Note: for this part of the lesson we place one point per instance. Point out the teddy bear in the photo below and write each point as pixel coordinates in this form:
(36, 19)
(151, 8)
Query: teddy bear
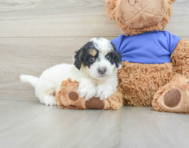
(155, 69)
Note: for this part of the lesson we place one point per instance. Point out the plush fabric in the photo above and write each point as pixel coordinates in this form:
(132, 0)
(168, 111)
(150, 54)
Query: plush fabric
(178, 100)
(180, 81)
(139, 82)
(138, 15)
(68, 97)
(112, 13)
(149, 47)
(142, 81)
(180, 58)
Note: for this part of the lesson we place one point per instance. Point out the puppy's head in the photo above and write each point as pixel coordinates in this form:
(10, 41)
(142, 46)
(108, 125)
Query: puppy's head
(98, 57)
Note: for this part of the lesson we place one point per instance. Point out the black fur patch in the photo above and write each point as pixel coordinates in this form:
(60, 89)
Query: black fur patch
(83, 55)
(115, 57)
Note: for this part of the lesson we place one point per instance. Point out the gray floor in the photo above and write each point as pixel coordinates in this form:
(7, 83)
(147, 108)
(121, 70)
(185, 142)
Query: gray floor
(29, 124)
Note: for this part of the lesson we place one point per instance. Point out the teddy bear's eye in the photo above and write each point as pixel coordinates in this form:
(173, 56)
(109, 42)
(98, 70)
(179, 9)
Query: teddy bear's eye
(132, 2)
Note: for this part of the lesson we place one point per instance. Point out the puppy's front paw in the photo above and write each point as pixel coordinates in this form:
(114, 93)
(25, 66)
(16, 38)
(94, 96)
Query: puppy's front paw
(49, 101)
(87, 90)
(104, 91)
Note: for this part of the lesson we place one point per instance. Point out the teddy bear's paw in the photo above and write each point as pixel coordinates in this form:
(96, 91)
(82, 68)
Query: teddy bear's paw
(175, 99)
(86, 90)
(49, 101)
(69, 97)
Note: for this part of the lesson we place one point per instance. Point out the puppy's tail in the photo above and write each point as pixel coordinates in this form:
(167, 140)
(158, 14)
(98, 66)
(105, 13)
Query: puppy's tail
(29, 79)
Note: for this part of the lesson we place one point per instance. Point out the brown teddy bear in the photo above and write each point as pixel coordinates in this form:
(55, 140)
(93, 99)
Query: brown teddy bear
(155, 67)
(155, 63)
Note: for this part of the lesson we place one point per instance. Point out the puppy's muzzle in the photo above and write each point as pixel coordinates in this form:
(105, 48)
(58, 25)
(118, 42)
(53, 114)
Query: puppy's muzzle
(102, 70)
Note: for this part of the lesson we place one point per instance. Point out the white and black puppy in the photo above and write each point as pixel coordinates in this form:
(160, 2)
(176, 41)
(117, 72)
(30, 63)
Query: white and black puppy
(95, 68)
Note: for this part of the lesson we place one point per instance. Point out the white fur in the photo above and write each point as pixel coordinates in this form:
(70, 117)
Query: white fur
(91, 83)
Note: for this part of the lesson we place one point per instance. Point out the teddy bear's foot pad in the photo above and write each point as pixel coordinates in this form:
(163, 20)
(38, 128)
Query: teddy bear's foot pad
(94, 103)
(73, 96)
(175, 99)
(172, 98)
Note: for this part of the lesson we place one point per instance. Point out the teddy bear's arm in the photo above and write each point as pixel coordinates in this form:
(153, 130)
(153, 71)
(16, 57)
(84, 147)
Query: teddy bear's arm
(110, 8)
(180, 58)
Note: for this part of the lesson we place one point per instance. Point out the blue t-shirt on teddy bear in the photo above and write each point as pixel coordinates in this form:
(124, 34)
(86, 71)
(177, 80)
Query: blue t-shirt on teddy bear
(149, 48)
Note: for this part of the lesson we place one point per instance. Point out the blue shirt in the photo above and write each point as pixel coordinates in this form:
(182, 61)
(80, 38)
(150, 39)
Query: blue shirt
(148, 48)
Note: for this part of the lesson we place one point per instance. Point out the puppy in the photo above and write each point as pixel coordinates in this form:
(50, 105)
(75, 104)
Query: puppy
(95, 68)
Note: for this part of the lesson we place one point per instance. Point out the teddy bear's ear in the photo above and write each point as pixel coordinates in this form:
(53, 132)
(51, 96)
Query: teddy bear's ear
(110, 8)
(172, 1)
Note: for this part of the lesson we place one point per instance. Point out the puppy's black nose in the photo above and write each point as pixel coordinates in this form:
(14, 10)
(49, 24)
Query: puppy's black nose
(102, 70)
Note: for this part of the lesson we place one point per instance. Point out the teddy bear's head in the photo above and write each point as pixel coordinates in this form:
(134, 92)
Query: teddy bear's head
(139, 16)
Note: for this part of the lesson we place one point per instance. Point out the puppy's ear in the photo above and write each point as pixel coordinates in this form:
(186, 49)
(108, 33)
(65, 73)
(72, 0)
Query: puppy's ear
(117, 57)
(77, 58)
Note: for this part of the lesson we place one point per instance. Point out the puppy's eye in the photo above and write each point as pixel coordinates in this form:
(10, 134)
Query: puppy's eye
(91, 59)
(108, 57)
